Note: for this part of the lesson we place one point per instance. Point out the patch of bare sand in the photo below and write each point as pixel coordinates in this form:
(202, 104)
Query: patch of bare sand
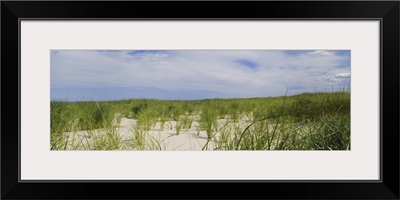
(155, 139)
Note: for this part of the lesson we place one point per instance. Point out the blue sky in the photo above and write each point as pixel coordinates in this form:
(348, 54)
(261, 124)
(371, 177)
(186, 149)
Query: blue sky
(87, 75)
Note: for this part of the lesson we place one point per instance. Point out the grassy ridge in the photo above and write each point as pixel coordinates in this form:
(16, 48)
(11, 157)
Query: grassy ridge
(311, 121)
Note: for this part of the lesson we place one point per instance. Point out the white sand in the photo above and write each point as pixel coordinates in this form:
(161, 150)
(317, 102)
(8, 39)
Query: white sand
(167, 139)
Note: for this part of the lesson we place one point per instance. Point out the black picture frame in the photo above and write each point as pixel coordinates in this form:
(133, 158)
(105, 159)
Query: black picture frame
(13, 11)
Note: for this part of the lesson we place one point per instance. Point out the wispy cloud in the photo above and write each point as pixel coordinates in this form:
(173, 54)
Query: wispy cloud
(321, 53)
(343, 75)
(190, 74)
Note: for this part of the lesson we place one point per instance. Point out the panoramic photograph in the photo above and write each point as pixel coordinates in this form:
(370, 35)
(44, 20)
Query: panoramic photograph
(197, 100)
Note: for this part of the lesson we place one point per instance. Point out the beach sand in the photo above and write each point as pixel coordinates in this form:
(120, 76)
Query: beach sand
(156, 139)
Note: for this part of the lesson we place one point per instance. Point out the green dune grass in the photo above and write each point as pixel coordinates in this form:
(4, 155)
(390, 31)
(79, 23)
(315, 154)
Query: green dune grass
(310, 121)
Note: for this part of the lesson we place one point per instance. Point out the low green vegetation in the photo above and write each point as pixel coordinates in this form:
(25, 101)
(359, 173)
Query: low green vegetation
(310, 121)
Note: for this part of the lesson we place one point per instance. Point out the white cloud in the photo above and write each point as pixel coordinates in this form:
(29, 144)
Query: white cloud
(340, 77)
(343, 75)
(214, 71)
(321, 52)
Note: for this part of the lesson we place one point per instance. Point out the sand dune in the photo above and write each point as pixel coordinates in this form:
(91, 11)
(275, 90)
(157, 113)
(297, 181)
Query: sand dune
(155, 138)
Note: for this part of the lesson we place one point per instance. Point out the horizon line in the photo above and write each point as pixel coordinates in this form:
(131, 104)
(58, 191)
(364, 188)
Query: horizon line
(217, 98)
